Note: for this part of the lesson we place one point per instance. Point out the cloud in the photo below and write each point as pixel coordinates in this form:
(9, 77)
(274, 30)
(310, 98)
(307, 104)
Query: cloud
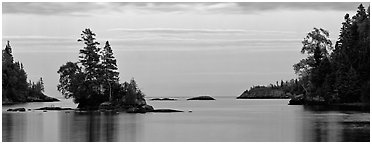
(199, 31)
(335, 6)
(90, 8)
(49, 8)
(177, 31)
(56, 44)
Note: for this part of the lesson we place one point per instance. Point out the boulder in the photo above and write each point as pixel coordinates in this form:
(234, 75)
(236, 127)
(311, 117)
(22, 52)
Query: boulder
(141, 102)
(147, 108)
(297, 100)
(106, 106)
(135, 110)
(202, 98)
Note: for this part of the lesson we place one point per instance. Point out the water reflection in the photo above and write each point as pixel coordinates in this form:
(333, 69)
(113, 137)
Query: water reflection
(326, 125)
(90, 127)
(238, 121)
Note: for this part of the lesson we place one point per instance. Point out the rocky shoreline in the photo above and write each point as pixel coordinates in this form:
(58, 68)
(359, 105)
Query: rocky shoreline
(143, 109)
(30, 99)
(264, 93)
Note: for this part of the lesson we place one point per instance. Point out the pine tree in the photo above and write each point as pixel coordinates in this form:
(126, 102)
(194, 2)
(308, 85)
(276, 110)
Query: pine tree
(7, 54)
(109, 63)
(351, 58)
(89, 56)
(109, 71)
(41, 84)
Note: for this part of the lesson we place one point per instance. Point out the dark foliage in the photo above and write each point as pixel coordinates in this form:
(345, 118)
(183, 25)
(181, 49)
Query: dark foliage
(14, 83)
(343, 75)
(95, 79)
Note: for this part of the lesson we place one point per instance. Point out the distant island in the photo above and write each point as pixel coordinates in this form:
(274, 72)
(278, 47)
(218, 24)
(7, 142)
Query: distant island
(262, 92)
(202, 98)
(163, 99)
(15, 88)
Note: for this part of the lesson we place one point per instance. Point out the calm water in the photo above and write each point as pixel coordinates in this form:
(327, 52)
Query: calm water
(225, 119)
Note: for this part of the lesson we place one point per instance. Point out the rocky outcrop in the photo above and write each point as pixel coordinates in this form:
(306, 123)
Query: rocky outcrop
(141, 109)
(297, 100)
(106, 106)
(35, 98)
(54, 108)
(163, 99)
(166, 110)
(17, 109)
(263, 93)
(42, 99)
(202, 98)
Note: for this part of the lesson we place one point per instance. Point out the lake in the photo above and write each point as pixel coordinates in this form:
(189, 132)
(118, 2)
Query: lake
(224, 120)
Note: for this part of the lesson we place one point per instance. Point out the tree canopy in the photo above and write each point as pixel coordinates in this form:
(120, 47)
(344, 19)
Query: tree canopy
(94, 79)
(340, 74)
(15, 87)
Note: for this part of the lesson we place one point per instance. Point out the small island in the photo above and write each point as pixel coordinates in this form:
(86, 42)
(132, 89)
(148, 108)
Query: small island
(201, 98)
(93, 81)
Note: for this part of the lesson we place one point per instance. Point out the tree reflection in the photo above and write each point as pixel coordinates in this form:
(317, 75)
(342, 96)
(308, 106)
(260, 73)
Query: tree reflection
(92, 127)
(324, 125)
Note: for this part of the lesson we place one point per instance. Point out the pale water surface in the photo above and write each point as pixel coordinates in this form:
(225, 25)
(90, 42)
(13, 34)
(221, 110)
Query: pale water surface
(226, 119)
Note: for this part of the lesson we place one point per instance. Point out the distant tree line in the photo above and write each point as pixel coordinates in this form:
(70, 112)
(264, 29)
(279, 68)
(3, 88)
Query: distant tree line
(338, 74)
(15, 87)
(94, 79)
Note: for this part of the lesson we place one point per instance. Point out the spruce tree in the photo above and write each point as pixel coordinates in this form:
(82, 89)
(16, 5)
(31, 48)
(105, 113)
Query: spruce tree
(89, 55)
(109, 72)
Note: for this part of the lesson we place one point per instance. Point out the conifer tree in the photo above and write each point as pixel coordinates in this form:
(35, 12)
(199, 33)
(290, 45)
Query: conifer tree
(89, 55)
(109, 71)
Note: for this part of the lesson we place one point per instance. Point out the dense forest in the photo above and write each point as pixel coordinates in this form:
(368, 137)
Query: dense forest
(334, 74)
(94, 79)
(15, 87)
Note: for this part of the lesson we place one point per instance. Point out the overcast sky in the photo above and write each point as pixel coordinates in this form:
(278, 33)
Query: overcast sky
(172, 49)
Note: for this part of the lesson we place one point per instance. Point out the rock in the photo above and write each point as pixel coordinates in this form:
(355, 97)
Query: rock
(297, 100)
(140, 109)
(202, 98)
(17, 109)
(166, 110)
(163, 99)
(106, 106)
(141, 102)
(135, 110)
(41, 98)
(148, 108)
(53, 108)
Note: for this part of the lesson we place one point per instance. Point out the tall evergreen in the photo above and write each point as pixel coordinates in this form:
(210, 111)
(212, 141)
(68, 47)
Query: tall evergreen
(109, 71)
(7, 54)
(351, 58)
(89, 55)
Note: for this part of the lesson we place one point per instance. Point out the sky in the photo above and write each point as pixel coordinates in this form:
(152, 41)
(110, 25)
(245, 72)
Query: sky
(172, 49)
